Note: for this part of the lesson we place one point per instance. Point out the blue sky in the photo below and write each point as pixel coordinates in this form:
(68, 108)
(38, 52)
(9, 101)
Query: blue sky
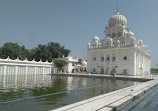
(73, 23)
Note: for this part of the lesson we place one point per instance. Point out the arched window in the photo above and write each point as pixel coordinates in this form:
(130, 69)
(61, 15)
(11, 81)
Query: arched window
(119, 34)
(125, 71)
(107, 70)
(102, 71)
(113, 70)
(107, 58)
(113, 35)
(113, 57)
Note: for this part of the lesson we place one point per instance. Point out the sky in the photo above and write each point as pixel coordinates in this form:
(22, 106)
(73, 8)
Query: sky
(73, 23)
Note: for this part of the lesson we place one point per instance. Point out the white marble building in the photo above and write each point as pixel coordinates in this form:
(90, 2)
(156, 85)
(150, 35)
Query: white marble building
(119, 52)
(71, 67)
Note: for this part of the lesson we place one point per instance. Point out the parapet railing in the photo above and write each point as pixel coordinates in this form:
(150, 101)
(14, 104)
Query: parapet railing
(25, 61)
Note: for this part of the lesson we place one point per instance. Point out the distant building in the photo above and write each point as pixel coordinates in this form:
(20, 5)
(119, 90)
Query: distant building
(119, 52)
(84, 67)
(73, 65)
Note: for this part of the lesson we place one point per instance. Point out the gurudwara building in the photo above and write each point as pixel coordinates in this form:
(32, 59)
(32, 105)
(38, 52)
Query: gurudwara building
(119, 52)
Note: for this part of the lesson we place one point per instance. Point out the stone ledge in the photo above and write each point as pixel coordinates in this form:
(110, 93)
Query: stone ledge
(117, 77)
(116, 99)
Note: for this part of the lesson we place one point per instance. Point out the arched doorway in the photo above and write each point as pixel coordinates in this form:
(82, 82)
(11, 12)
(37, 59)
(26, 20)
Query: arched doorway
(113, 70)
(107, 70)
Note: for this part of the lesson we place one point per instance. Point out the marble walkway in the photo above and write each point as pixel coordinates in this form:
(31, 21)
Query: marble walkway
(135, 98)
(147, 102)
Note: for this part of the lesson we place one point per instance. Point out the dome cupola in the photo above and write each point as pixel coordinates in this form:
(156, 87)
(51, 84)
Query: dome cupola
(84, 64)
(130, 34)
(96, 39)
(117, 19)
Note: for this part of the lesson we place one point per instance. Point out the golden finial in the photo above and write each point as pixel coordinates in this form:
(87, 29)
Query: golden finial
(17, 59)
(76, 56)
(26, 59)
(33, 60)
(117, 10)
(8, 58)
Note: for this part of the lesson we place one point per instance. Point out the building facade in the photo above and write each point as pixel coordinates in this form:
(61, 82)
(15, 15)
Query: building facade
(119, 52)
(73, 66)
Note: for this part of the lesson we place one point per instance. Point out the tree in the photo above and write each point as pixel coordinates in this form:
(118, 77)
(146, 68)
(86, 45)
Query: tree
(44, 52)
(60, 64)
(24, 53)
(57, 51)
(10, 49)
(31, 54)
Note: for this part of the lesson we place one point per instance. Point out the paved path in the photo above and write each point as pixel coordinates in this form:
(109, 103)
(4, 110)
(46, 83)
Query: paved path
(147, 102)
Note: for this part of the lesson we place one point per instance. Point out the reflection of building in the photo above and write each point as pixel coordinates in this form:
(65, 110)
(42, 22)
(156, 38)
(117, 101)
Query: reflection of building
(73, 65)
(16, 67)
(119, 52)
(25, 81)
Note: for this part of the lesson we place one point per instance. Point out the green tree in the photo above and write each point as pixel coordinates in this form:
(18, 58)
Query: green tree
(42, 52)
(10, 49)
(57, 51)
(31, 54)
(24, 53)
(60, 64)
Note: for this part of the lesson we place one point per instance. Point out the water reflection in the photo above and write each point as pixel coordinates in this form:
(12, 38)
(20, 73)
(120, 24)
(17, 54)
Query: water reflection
(32, 86)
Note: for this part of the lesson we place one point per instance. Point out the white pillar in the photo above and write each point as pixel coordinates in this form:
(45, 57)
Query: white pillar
(4, 76)
(43, 70)
(26, 70)
(16, 74)
(1, 70)
(35, 74)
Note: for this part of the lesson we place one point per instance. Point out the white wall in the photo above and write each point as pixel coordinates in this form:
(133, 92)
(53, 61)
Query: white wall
(131, 64)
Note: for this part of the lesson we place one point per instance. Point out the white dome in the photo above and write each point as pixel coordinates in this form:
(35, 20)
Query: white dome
(84, 64)
(140, 42)
(117, 19)
(99, 44)
(145, 47)
(109, 39)
(96, 39)
(130, 34)
(118, 41)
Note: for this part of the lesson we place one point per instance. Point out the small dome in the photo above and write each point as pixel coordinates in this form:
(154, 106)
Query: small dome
(96, 39)
(140, 42)
(84, 64)
(145, 47)
(99, 44)
(117, 19)
(130, 34)
(109, 39)
(133, 39)
(118, 41)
